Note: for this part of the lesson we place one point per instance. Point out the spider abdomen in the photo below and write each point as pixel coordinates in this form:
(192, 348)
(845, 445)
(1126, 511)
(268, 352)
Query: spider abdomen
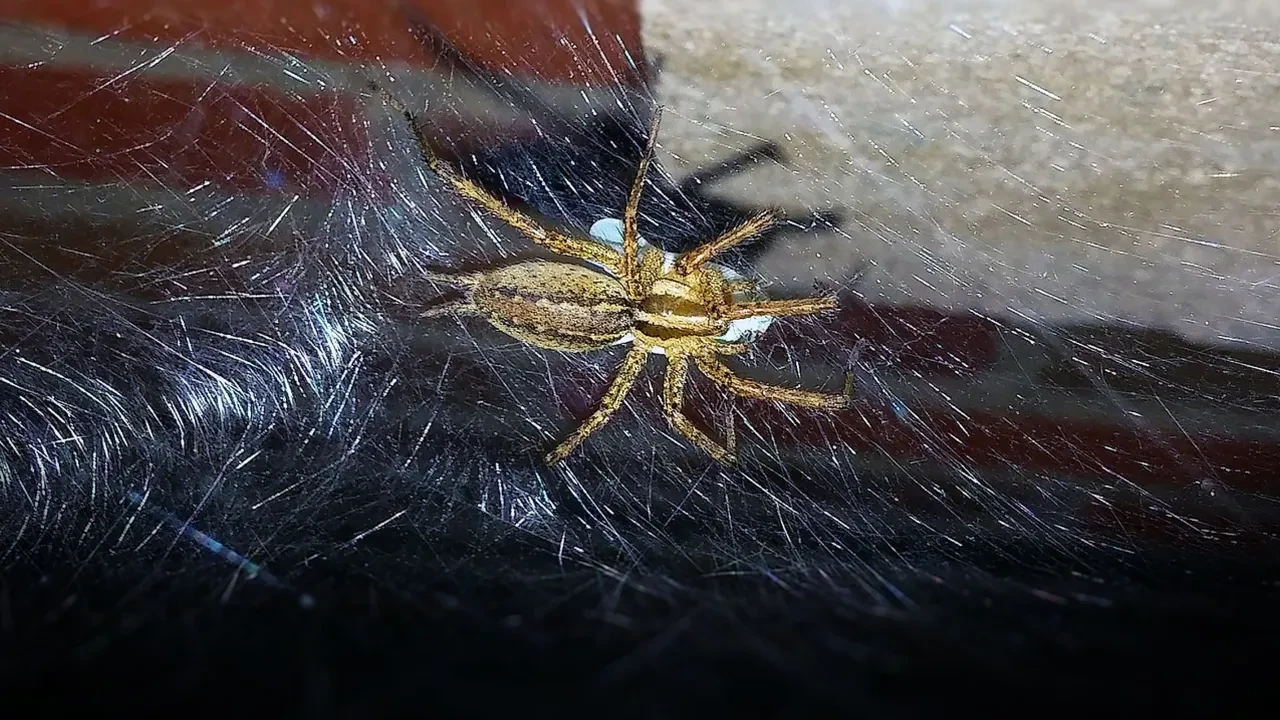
(560, 306)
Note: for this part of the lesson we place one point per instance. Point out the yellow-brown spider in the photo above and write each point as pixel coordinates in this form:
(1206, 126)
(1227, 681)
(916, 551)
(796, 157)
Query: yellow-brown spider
(677, 306)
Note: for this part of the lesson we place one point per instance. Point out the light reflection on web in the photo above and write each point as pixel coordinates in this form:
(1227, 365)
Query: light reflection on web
(220, 306)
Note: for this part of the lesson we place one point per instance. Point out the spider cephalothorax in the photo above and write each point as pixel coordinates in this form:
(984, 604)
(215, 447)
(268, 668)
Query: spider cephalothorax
(682, 306)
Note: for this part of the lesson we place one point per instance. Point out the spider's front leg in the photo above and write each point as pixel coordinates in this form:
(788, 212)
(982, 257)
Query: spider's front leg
(461, 306)
(673, 405)
(780, 308)
(556, 242)
(628, 270)
(453, 279)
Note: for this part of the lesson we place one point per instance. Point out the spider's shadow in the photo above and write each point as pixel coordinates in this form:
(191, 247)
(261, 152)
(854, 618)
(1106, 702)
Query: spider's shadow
(579, 169)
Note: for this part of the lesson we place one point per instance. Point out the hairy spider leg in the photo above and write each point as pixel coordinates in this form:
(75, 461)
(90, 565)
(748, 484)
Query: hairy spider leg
(630, 215)
(730, 433)
(673, 405)
(779, 308)
(744, 387)
(617, 391)
(752, 227)
(453, 279)
(558, 243)
(461, 306)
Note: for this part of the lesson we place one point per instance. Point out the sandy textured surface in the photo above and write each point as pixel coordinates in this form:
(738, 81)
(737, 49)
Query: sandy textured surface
(1087, 160)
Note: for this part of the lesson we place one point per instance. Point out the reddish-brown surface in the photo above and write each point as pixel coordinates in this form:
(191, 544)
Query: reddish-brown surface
(543, 38)
(74, 124)
(71, 124)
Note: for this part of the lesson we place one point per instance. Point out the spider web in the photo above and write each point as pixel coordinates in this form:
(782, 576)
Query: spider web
(1052, 230)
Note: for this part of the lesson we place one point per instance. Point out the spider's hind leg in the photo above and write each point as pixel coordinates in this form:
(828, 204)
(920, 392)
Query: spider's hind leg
(452, 279)
(631, 213)
(461, 306)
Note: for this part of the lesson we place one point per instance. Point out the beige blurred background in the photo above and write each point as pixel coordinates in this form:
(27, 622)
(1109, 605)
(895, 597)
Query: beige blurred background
(1101, 160)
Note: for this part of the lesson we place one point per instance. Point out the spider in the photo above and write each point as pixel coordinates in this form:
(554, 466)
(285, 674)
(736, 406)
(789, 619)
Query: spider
(677, 306)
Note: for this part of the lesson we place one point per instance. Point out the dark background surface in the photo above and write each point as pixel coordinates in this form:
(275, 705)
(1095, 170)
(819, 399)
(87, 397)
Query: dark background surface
(1175, 634)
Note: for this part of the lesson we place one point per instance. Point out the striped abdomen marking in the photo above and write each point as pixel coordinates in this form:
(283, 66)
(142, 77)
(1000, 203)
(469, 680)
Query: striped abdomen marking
(555, 305)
